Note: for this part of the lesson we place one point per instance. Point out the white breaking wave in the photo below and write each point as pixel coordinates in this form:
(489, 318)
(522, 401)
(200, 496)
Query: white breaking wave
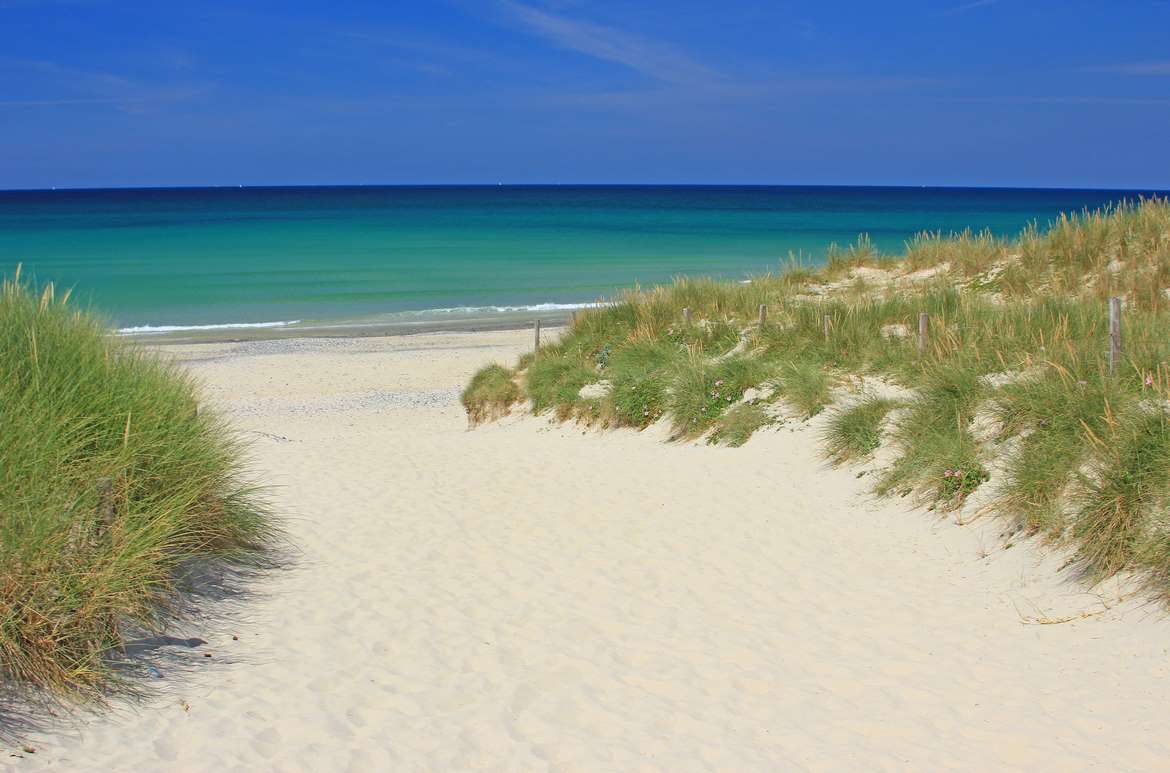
(139, 329)
(506, 309)
(387, 319)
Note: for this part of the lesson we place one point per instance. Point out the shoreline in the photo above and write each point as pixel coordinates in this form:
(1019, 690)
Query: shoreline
(355, 330)
(386, 260)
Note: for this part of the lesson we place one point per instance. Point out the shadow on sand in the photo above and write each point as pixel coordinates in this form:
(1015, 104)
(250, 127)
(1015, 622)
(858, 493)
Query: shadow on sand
(211, 598)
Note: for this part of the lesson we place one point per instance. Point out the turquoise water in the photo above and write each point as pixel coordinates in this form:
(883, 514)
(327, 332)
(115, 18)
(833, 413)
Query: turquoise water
(176, 258)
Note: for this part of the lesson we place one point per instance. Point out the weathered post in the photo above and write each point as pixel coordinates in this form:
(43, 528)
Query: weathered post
(763, 314)
(1114, 334)
(105, 504)
(923, 324)
(687, 315)
(536, 336)
(828, 321)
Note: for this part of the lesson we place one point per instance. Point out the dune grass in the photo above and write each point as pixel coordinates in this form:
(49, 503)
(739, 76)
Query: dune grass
(702, 390)
(638, 374)
(110, 482)
(855, 432)
(555, 378)
(490, 394)
(1013, 382)
(736, 427)
(1059, 412)
(805, 384)
(938, 456)
(1125, 493)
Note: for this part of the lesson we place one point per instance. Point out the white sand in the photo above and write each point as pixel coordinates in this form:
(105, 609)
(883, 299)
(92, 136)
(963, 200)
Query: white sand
(526, 596)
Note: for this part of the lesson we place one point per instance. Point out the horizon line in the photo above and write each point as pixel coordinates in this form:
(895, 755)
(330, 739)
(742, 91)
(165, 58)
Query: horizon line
(277, 186)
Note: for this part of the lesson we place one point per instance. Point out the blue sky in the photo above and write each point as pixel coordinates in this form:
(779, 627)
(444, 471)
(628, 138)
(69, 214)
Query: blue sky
(975, 92)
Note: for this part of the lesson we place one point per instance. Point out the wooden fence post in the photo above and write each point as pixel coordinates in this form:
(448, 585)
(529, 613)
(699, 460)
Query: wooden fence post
(105, 504)
(828, 321)
(923, 324)
(687, 315)
(1114, 334)
(763, 314)
(536, 337)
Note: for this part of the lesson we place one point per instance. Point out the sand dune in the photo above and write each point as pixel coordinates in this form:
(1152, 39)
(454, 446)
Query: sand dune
(527, 596)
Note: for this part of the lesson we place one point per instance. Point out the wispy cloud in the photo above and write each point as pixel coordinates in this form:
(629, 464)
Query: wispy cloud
(45, 3)
(129, 104)
(95, 87)
(765, 92)
(1133, 68)
(52, 102)
(655, 59)
(679, 76)
(424, 54)
(971, 6)
(1055, 100)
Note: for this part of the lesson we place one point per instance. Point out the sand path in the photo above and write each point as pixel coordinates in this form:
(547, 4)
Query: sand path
(529, 597)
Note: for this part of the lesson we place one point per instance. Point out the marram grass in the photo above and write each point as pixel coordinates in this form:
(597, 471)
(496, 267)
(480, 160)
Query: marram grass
(1012, 389)
(736, 426)
(854, 432)
(110, 483)
(490, 394)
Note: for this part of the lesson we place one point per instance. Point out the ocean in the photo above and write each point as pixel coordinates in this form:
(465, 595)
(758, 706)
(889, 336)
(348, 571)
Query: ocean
(255, 261)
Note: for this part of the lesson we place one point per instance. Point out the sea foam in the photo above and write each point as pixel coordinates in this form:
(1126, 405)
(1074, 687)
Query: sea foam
(147, 329)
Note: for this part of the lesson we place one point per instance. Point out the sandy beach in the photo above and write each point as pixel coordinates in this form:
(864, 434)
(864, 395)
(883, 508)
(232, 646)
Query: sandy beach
(531, 596)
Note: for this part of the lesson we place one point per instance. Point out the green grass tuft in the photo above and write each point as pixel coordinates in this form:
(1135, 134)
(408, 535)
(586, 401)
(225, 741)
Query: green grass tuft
(490, 394)
(805, 385)
(934, 437)
(639, 374)
(714, 338)
(110, 482)
(1124, 492)
(735, 427)
(701, 390)
(554, 380)
(1056, 410)
(856, 431)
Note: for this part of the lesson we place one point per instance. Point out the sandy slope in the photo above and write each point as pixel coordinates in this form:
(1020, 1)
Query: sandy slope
(524, 596)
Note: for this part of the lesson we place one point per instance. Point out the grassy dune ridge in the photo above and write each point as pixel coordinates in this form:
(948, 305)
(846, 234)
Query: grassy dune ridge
(1013, 391)
(110, 482)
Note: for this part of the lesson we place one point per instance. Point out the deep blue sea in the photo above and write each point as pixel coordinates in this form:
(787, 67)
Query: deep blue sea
(400, 256)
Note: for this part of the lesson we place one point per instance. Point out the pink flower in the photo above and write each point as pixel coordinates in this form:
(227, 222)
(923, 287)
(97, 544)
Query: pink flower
(946, 473)
(1149, 380)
